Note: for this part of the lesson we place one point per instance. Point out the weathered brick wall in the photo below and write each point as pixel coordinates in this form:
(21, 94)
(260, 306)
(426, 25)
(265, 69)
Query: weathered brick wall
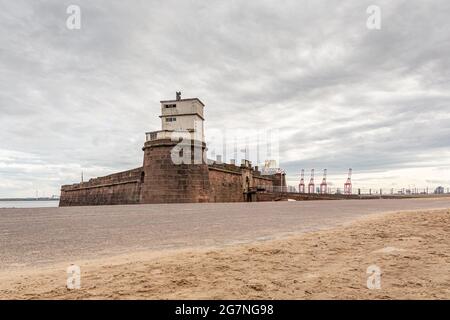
(261, 182)
(225, 185)
(162, 181)
(279, 180)
(166, 182)
(119, 188)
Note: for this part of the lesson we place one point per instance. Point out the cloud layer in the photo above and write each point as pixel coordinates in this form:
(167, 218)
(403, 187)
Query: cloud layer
(341, 95)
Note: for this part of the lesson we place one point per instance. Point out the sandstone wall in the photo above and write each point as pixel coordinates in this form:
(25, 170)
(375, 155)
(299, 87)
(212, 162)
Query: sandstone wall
(225, 185)
(162, 181)
(119, 188)
(166, 182)
(261, 182)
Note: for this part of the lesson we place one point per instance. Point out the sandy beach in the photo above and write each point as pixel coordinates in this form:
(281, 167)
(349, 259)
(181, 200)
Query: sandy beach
(411, 249)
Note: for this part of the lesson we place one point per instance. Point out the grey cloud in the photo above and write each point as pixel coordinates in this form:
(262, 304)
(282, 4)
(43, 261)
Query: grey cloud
(82, 100)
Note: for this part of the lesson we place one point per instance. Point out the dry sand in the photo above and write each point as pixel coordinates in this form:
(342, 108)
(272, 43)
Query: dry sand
(411, 248)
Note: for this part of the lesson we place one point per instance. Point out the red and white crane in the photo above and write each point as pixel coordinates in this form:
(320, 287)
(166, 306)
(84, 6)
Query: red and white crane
(311, 183)
(323, 185)
(301, 186)
(348, 184)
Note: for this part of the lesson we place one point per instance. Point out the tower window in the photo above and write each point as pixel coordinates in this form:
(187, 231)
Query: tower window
(171, 119)
(170, 106)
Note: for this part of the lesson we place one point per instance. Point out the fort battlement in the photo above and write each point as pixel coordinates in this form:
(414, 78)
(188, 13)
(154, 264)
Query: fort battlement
(161, 180)
(119, 188)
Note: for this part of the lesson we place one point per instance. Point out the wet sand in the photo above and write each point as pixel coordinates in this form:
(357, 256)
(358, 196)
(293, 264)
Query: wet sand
(40, 237)
(411, 249)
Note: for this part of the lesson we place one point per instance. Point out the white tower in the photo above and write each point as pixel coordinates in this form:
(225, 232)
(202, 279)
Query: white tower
(180, 115)
(175, 168)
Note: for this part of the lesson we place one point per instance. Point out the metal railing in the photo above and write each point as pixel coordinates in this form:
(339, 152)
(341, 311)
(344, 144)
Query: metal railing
(361, 191)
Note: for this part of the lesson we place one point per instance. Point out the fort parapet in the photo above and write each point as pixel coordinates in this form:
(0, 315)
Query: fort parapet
(118, 188)
(160, 180)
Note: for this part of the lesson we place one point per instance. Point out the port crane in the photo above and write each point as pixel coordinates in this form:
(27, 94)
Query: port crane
(301, 186)
(323, 185)
(348, 183)
(311, 183)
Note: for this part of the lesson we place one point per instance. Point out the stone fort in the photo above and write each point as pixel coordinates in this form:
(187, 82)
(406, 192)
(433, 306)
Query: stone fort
(176, 170)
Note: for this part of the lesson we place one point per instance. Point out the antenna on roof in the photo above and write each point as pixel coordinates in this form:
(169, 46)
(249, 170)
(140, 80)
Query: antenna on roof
(178, 95)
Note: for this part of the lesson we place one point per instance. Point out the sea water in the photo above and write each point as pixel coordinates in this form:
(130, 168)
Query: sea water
(29, 204)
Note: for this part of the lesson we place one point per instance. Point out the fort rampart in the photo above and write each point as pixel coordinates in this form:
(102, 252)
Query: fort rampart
(118, 188)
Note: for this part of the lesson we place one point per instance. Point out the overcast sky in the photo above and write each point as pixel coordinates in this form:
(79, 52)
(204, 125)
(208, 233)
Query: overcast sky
(340, 94)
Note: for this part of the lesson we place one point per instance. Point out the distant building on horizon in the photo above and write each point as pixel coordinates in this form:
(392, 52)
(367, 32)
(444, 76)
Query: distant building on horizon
(175, 169)
(439, 190)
